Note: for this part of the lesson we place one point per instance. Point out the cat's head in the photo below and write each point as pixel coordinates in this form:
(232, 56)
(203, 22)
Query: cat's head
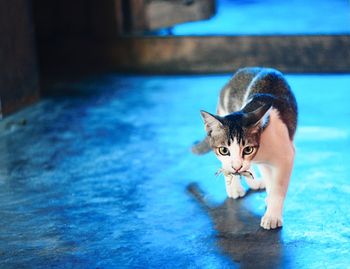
(235, 138)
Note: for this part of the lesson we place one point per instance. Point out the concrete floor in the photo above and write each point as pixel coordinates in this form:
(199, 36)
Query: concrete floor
(100, 175)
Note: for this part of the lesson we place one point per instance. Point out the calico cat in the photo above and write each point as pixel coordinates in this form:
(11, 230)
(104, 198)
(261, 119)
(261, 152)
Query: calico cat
(255, 124)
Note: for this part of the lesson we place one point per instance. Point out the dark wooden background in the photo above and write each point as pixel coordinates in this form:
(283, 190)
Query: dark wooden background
(18, 62)
(48, 39)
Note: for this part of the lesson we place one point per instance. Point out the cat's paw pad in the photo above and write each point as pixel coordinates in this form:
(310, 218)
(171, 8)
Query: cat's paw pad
(271, 221)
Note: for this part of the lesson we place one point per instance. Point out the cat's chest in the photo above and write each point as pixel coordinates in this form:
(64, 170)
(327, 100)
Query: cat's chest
(274, 141)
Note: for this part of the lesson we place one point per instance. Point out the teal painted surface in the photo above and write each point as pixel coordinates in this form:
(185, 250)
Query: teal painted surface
(97, 176)
(270, 17)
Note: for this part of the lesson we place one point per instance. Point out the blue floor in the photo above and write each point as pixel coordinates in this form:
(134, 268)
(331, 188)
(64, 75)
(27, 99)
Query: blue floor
(270, 17)
(99, 174)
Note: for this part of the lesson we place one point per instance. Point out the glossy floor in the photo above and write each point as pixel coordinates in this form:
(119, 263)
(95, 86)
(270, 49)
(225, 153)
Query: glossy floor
(99, 175)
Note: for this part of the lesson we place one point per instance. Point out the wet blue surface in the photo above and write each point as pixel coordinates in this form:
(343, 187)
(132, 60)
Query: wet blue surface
(256, 17)
(100, 175)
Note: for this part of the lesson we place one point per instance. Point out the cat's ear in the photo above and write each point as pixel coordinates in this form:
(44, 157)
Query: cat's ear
(257, 110)
(257, 117)
(211, 121)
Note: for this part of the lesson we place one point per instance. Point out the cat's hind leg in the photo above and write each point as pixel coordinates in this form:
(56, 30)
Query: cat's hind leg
(234, 188)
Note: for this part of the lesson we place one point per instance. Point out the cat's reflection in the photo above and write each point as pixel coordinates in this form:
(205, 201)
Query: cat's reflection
(239, 233)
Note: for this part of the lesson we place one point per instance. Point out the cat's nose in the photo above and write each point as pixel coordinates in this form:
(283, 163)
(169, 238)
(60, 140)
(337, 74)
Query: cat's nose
(237, 168)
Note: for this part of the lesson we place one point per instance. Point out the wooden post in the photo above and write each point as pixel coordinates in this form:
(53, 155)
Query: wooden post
(18, 66)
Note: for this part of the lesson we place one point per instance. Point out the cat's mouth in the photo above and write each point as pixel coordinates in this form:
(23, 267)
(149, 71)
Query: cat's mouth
(229, 173)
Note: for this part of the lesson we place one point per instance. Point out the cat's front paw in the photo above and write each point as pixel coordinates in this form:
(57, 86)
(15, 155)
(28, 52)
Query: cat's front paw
(271, 221)
(234, 188)
(237, 193)
(234, 191)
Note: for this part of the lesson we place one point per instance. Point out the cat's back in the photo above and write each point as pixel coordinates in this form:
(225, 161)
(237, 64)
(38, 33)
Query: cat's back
(270, 81)
(233, 94)
(250, 81)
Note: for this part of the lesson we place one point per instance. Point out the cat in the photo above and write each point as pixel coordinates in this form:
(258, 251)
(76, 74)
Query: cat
(255, 124)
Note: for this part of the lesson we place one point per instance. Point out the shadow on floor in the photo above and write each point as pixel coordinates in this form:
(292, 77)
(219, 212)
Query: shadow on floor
(239, 234)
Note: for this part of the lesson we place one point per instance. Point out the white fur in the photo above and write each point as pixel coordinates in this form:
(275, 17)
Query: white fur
(234, 188)
(226, 99)
(251, 84)
(221, 111)
(275, 158)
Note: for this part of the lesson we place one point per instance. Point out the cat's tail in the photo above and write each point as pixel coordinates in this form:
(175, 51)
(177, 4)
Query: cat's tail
(201, 147)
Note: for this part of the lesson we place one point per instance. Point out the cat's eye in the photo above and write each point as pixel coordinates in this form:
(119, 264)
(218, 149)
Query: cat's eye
(248, 150)
(223, 151)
